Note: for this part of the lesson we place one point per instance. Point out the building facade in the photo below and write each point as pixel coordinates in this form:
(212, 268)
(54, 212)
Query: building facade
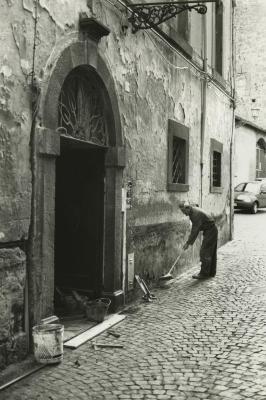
(250, 144)
(104, 130)
(249, 153)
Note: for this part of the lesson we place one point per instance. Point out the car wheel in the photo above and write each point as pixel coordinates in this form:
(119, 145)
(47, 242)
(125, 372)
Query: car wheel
(254, 208)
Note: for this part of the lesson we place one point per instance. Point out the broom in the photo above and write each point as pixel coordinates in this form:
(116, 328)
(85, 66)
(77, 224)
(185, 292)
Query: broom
(168, 276)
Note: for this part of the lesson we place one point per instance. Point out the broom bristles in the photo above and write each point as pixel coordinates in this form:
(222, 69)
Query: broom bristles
(166, 277)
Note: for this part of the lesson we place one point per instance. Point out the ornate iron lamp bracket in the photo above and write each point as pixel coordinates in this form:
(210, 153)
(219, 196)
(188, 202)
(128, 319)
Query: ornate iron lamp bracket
(150, 15)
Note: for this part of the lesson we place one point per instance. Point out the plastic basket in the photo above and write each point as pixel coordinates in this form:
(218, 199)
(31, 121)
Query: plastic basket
(96, 310)
(48, 343)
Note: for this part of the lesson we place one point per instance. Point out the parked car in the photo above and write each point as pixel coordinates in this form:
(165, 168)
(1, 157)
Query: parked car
(250, 196)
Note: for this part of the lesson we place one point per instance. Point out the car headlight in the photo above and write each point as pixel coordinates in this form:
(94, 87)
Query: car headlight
(244, 197)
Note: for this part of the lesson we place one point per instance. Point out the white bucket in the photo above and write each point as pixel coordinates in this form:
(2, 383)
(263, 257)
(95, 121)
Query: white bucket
(48, 343)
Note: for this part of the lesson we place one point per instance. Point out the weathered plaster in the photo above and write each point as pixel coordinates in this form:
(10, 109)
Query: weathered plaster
(10, 2)
(14, 173)
(20, 32)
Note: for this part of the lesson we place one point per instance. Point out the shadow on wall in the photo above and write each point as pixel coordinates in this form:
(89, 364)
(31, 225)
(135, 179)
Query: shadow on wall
(157, 246)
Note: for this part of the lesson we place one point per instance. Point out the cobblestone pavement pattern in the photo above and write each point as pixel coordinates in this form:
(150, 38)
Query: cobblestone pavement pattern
(199, 340)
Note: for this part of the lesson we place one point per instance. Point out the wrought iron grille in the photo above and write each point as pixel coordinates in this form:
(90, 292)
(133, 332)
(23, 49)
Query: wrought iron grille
(216, 169)
(81, 109)
(179, 160)
(150, 15)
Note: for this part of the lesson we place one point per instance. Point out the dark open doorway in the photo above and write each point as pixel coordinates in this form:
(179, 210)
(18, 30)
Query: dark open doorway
(79, 207)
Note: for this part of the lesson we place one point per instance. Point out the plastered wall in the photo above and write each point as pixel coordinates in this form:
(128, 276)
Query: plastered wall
(246, 139)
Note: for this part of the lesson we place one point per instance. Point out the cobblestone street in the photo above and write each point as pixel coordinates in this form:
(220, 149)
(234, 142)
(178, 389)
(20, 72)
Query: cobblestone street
(199, 340)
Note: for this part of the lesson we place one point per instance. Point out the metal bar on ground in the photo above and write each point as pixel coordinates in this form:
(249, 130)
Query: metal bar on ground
(19, 378)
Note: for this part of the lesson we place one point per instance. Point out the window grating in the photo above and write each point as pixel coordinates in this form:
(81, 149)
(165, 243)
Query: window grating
(179, 160)
(81, 108)
(216, 169)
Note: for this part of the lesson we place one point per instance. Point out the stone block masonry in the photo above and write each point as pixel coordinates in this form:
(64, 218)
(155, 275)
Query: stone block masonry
(12, 285)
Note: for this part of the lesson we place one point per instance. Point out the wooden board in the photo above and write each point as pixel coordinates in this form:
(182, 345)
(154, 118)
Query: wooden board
(110, 321)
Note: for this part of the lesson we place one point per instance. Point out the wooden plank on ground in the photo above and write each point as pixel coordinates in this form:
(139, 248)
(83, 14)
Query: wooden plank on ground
(110, 321)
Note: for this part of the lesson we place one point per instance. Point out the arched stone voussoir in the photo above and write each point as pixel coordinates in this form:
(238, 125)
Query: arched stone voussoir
(77, 54)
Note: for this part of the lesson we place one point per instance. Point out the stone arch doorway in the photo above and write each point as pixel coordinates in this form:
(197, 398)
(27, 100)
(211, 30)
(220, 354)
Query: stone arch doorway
(103, 146)
(83, 119)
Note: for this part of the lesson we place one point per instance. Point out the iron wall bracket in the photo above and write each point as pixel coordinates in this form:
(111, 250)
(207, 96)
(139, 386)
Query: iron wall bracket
(150, 15)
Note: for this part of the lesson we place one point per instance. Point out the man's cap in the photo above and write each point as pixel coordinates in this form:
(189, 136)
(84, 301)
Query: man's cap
(184, 204)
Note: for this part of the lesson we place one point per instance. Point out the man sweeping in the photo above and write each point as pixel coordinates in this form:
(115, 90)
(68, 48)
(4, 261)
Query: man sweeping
(201, 221)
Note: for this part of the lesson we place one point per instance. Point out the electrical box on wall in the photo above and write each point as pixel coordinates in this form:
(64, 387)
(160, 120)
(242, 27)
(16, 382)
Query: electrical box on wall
(129, 194)
(130, 271)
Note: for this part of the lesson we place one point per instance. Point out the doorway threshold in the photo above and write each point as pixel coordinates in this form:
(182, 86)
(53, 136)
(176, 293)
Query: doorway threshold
(74, 326)
(92, 332)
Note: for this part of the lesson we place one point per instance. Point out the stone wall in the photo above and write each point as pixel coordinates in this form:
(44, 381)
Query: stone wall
(12, 332)
(250, 37)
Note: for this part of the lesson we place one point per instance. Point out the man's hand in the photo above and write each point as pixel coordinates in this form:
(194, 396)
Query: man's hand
(185, 247)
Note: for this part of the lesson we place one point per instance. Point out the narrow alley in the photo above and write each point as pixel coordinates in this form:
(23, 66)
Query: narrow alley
(199, 340)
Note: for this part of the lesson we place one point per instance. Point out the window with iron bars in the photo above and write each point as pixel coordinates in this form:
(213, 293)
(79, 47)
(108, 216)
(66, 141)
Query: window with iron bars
(216, 169)
(179, 160)
(216, 151)
(178, 142)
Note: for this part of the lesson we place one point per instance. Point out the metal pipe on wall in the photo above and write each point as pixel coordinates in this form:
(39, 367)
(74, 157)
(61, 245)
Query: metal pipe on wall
(231, 189)
(203, 103)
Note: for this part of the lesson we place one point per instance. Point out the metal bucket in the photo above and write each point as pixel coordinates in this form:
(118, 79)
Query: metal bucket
(96, 310)
(48, 343)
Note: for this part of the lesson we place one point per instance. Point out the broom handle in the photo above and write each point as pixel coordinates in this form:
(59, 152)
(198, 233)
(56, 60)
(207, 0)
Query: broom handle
(176, 260)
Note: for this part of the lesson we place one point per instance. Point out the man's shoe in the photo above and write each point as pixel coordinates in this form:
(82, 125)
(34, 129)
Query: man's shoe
(199, 276)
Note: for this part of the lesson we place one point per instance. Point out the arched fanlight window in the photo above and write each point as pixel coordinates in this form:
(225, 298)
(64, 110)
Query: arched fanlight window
(81, 108)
